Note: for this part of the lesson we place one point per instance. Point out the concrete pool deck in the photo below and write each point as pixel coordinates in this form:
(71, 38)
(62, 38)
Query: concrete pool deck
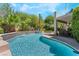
(4, 49)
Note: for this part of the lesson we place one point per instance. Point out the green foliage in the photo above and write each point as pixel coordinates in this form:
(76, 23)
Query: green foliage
(34, 21)
(49, 23)
(75, 23)
(1, 20)
(23, 21)
(60, 25)
(49, 19)
(4, 9)
(1, 30)
(11, 21)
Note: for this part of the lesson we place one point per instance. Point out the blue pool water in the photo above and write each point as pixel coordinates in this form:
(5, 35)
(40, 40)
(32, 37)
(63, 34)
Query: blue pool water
(36, 45)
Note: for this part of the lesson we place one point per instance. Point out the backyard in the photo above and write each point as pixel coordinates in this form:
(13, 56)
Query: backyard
(17, 25)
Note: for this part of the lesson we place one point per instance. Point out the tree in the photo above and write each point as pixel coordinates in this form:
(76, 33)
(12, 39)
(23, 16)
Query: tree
(49, 20)
(12, 21)
(1, 29)
(22, 21)
(4, 11)
(34, 21)
(75, 24)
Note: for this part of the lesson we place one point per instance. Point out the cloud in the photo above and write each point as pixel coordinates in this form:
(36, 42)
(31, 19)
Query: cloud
(46, 7)
(42, 7)
(13, 4)
(24, 7)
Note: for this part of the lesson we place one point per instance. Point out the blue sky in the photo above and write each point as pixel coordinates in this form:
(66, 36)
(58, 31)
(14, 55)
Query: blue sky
(44, 9)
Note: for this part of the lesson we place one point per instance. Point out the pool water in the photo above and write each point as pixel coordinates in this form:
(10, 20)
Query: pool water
(36, 45)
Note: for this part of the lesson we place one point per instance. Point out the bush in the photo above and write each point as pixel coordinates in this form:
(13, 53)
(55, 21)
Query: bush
(49, 28)
(1, 31)
(75, 24)
(49, 21)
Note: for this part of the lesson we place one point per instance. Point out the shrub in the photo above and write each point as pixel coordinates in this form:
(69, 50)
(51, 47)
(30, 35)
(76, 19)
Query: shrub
(1, 31)
(75, 24)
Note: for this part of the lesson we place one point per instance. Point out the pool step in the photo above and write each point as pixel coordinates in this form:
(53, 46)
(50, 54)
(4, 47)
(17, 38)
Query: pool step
(47, 36)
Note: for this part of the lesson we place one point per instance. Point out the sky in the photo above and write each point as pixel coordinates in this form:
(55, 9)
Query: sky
(44, 9)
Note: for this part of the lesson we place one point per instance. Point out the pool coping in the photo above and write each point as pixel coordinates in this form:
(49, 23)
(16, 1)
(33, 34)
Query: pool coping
(62, 43)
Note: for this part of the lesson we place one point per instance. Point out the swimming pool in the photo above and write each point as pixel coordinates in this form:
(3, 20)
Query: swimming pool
(36, 45)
